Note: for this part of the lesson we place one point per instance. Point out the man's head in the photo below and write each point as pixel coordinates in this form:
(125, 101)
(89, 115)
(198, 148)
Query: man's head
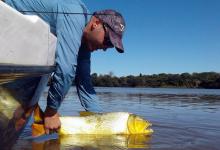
(105, 30)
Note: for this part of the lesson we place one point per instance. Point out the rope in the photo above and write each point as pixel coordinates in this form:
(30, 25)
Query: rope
(49, 12)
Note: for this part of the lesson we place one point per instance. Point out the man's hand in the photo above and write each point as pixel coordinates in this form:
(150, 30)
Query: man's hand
(51, 120)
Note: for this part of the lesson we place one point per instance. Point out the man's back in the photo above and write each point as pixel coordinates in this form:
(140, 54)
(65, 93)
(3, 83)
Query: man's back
(68, 28)
(49, 10)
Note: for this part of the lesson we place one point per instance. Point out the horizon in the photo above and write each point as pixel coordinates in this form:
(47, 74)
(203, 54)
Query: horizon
(112, 73)
(163, 37)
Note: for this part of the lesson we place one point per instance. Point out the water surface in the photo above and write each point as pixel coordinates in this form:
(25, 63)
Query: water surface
(181, 118)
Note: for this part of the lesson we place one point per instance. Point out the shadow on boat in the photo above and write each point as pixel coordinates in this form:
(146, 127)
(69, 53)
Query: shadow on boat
(20, 90)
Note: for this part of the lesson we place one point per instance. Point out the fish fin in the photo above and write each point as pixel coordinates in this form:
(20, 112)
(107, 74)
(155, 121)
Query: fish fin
(37, 129)
(38, 125)
(38, 115)
(85, 113)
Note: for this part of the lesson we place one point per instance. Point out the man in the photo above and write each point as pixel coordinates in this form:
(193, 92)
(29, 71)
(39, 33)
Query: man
(78, 34)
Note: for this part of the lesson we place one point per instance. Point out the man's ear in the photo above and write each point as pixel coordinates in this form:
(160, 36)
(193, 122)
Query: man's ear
(95, 23)
(94, 26)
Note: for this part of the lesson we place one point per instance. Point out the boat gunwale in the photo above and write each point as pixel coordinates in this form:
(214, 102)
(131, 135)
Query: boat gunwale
(5, 68)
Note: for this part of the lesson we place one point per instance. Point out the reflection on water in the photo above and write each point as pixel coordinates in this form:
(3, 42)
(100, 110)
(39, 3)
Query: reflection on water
(105, 142)
(97, 142)
(181, 118)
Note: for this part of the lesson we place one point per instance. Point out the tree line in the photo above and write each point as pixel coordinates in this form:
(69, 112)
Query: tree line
(184, 80)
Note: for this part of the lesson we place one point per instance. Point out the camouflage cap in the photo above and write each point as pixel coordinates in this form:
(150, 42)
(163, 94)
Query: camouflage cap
(116, 23)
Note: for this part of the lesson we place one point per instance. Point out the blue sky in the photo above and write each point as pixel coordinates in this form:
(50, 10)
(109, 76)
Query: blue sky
(163, 36)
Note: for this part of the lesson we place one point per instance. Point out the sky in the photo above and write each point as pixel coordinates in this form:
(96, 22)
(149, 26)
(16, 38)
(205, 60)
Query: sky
(162, 36)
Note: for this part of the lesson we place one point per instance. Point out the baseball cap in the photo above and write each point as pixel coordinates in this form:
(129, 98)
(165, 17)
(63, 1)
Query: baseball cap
(116, 24)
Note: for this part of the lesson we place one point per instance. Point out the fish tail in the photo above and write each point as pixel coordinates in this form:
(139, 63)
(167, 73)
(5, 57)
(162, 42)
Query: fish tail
(38, 115)
(38, 125)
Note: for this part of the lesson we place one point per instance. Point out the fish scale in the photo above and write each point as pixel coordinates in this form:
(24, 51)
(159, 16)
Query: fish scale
(96, 123)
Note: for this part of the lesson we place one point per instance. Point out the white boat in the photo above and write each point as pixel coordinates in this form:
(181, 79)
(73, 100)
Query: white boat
(27, 52)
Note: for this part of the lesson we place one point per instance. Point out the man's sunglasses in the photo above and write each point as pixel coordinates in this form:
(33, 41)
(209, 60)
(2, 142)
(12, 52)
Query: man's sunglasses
(107, 42)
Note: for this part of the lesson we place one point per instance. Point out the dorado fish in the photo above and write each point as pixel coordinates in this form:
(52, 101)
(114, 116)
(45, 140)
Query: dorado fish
(95, 123)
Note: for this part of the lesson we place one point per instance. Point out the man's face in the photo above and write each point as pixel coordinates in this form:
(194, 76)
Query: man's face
(98, 37)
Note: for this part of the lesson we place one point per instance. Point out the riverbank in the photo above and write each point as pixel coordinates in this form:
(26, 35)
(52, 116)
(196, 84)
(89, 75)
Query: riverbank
(204, 80)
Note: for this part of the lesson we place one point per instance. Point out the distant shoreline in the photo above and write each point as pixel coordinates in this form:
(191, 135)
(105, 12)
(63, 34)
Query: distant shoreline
(152, 87)
(204, 80)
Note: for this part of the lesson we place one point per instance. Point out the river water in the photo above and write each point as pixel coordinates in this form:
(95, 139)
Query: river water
(182, 119)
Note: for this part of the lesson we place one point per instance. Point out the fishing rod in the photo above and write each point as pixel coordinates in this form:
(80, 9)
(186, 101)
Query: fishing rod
(50, 12)
(65, 13)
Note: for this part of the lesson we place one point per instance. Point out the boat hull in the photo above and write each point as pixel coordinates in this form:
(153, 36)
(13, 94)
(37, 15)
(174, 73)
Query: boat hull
(20, 89)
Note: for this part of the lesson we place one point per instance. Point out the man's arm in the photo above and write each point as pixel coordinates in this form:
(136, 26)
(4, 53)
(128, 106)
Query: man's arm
(85, 90)
(69, 32)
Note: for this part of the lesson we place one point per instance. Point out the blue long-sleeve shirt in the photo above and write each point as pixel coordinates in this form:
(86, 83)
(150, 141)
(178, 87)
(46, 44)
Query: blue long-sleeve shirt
(72, 60)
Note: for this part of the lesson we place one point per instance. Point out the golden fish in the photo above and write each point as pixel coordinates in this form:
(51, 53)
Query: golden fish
(96, 123)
